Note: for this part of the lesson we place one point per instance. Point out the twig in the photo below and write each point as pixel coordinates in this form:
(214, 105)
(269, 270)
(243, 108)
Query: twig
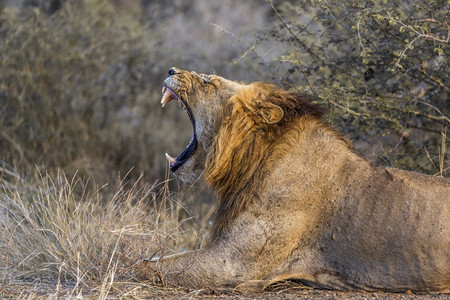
(430, 159)
(249, 49)
(299, 42)
(387, 33)
(427, 20)
(345, 108)
(423, 128)
(424, 35)
(444, 120)
(280, 18)
(397, 63)
(359, 35)
(442, 151)
(433, 107)
(435, 80)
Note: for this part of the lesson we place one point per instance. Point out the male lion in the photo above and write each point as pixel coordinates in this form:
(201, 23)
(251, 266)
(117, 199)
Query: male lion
(297, 201)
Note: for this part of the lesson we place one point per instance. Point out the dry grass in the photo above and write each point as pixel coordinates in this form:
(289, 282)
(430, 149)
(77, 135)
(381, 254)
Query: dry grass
(56, 238)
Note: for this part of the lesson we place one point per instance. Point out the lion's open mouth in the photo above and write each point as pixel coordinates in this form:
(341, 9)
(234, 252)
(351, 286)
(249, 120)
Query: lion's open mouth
(175, 163)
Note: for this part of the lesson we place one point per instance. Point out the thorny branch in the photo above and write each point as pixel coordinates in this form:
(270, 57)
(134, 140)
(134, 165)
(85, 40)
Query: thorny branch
(441, 119)
(420, 35)
(435, 80)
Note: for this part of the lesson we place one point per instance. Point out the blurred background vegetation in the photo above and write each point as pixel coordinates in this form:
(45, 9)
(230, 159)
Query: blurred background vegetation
(80, 80)
(83, 136)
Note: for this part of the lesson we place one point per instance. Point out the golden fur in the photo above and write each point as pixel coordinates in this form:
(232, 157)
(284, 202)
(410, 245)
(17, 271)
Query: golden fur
(296, 200)
(258, 118)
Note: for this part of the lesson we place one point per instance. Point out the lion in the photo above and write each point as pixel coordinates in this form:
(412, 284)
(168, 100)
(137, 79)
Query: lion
(296, 200)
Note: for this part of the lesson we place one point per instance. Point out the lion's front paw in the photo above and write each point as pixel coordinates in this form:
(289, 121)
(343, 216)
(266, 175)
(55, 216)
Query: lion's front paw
(147, 270)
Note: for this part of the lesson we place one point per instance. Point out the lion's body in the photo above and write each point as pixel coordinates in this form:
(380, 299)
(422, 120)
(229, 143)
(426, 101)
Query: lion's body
(379, 228)
(296, 201)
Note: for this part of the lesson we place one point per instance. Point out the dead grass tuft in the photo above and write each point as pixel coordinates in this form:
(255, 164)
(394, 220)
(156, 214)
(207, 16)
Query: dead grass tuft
(49, 233)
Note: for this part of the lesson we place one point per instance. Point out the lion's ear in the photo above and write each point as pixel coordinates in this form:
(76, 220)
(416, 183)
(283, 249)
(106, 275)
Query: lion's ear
(270, 113)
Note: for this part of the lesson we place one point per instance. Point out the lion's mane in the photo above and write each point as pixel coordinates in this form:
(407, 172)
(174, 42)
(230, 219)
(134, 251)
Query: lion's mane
(252, 132)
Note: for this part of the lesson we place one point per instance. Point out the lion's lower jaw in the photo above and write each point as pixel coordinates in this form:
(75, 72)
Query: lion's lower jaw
(188, 178)
(191, 171)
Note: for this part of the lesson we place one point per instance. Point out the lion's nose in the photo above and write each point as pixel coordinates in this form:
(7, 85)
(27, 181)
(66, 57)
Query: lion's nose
(171, 72)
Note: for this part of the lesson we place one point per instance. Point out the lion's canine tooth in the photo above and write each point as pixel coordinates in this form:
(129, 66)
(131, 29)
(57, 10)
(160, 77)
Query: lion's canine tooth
(170, 159)
(167, 96)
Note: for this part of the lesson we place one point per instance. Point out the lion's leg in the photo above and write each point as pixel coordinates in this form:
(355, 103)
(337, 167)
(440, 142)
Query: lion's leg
(252, 254)
(183, 269)
(197, 269)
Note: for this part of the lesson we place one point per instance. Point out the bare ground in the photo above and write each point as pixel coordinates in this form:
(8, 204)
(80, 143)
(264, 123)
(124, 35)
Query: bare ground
(129, 290)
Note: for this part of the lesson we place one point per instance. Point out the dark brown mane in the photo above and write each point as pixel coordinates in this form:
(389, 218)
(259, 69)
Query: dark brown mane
(244, 145)
(301, 105)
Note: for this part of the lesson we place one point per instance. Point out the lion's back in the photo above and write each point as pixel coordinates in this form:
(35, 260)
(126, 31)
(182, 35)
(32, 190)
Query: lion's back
(396, 226)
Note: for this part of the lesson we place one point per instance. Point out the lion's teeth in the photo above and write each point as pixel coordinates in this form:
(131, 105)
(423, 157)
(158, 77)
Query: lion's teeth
(170, 159)
(167, 96)
(164, 88)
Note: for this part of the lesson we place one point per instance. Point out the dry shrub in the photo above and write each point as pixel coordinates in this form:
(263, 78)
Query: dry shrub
(382, 68)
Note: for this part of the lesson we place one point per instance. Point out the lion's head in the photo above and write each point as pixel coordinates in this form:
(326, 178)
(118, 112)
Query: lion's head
(202, 97)
(236, 130)
(225, 115)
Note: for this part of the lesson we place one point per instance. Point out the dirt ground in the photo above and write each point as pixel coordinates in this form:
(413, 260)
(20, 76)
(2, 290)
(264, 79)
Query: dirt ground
(127, 290)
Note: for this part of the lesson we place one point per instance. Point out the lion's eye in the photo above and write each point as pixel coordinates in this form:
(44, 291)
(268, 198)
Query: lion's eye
(205, 80)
